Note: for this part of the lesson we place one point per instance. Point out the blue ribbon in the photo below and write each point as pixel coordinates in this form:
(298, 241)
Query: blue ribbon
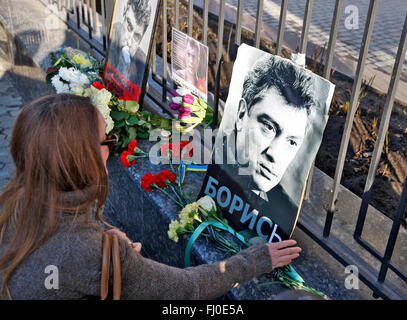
(197, 233)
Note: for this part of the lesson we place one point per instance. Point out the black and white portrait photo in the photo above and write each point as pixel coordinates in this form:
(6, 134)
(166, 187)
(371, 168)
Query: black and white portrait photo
(271, 129)
(189, 62)
(131, 35)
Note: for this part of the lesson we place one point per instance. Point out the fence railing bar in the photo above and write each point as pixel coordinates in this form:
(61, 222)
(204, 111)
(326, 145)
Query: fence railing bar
(238, 33)
(221, 23)
(154, 58)
(104, 31)
(190, 16)
(88, 13)
(384, 125)
(393, 234)
(176, 14)
(205, 22)
(281, 26)
(380, 257)
(352, 105)
(164, 49)
(259, 17)
(332, 38)
(95, 21)
(78, 16)
(305, 26)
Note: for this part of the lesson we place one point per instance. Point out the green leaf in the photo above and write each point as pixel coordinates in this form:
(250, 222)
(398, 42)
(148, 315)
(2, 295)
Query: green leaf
(133, 120)
(119, 115)
(132, 133)
(119, 124)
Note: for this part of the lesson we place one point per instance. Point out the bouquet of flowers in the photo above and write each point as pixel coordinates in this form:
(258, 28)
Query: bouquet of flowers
(77, 72)
(191, 110)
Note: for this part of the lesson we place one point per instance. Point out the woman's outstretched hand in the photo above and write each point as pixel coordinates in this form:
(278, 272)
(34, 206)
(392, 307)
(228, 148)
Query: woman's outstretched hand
(135, 246)
(282, 253)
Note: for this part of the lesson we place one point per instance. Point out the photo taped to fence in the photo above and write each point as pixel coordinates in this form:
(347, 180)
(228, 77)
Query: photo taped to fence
(131, 32)
(189, 62)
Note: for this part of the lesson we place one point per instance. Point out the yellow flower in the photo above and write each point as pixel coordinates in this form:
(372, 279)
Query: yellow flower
(82, 61)
(172, 231)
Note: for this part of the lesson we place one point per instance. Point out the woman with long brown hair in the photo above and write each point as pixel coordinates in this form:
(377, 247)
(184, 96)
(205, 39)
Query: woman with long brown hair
(52, 206)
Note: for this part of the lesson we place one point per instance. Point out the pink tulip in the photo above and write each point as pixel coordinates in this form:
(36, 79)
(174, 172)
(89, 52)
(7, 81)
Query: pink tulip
(184, 109)
(184, 115)
(188, 99)
(174, 93)
(174, 106)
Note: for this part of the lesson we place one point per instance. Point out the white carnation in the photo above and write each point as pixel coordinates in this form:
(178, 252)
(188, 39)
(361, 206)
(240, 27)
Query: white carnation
(59, 86)
(73, 76)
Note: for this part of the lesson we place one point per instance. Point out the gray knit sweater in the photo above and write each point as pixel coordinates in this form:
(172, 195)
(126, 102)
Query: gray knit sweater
(68, 266)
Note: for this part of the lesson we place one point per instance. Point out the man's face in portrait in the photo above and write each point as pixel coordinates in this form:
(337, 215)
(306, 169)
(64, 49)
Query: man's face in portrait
(192, 59)
(131, 33)
(275, 128)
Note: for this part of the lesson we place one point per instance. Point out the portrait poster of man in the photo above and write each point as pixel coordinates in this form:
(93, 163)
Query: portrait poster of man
(189, 63)
(131, 32)
(271, 130)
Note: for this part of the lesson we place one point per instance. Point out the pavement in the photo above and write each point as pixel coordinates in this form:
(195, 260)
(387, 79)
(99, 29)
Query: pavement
(10, 104)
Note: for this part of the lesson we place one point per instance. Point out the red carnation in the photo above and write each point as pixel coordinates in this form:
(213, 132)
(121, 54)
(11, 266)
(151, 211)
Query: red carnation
(132, 146)
(125, 160)
(98, 85)
(147, 181)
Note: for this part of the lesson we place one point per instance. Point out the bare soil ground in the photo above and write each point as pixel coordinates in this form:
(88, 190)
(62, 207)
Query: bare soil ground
(392, 170)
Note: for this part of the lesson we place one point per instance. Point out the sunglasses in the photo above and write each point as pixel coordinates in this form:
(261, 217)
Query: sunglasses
(111, 141)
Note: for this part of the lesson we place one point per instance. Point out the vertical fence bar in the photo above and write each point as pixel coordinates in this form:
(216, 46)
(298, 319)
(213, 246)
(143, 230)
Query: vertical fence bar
(164, 52)
(95, 22)
(154, 59)
(205, 22)
(393, 234)
(259, 17)
(281, 26)
(305, 26)
(351, 112)
(190, 16)
(238, 33)
(384, 125)
(176, 14)
(104, 29)
(221, 23)
(90, 26)
(332, 38)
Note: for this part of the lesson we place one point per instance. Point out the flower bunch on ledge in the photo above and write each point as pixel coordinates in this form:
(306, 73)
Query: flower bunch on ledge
(192, 110)
(76, 72)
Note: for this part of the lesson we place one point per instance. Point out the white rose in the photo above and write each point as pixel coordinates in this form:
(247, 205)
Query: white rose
(182, 91)
(101, 98)
(78, 90)
(207, 203)
(109, 124)
(177, 99)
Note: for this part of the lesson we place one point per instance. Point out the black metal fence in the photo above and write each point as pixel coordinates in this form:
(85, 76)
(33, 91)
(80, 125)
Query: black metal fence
(91, 20)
